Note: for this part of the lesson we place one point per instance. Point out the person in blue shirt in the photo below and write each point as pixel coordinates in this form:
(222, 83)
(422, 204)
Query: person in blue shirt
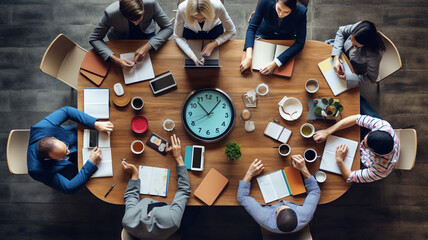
(276, 20)
(52, 150)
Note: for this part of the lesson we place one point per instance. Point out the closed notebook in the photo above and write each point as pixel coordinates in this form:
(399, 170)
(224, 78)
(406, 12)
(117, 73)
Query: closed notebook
(211, 187)
(94, 64)
(97, 80)
(294, 180)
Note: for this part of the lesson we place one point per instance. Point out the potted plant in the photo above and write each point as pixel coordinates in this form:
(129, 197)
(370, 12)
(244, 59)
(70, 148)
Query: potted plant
(233, 150)
(332, 108)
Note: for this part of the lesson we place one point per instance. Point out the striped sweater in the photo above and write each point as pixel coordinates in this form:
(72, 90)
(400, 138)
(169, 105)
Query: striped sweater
(377, 167)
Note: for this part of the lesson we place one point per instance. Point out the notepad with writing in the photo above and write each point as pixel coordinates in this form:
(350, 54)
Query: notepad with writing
(140, 71)
(337, 85)
(211, 187)
(96, 102)
(328, 162)
(277, 132)
(264, 53)
(154, 180)
(280, 184)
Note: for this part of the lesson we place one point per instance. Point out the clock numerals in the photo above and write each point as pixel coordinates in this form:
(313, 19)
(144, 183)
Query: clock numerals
(226, 115)
(218, 100)
(193, 105)
(200, 99)
(190, 114)
(193, 123)
(200, 130)
(223, 124)
(207, 132)
(209, 96)
(224, 105)
(217, 130)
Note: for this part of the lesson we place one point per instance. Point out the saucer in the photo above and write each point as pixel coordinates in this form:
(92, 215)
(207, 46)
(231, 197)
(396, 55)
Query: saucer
(139, 124)
(292, 106)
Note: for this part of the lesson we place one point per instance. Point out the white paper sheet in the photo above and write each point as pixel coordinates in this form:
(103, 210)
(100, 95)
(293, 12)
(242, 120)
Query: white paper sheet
(96, 102)
(140, 72)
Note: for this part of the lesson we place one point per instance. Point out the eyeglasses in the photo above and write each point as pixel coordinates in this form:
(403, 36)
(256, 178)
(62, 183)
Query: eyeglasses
(66, 156)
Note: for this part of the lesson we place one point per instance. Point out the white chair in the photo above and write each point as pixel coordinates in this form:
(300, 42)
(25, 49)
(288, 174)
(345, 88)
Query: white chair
(62, 60)
(391, 60)
(408, 148)
(16, 152)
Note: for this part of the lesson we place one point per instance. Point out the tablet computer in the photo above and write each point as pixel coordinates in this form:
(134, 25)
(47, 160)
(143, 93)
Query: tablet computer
(198, 158)
(163, 83)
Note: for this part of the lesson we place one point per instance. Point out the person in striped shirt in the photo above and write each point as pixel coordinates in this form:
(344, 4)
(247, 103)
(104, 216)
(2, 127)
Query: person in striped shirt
(379, 149)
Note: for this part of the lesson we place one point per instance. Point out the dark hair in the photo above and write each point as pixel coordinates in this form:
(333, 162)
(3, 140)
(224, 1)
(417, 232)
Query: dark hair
(286, 220)
(366, 34)
(289, 3)
(380, 141)
(132, 9)
(45, 146)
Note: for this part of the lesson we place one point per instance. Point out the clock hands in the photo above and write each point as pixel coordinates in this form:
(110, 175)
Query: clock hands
(214, 107)
(203, 108)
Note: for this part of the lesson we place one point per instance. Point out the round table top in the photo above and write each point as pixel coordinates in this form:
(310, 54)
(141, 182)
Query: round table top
(253, 145)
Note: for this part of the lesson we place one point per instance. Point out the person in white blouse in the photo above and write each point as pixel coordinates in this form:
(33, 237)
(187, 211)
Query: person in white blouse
(202, 19)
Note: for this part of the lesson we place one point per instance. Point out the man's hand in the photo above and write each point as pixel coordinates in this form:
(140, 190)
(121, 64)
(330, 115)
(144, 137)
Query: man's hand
(298, 162)
(176, 149)
(255, 169)
(209, 48)
(130, 169)
(105, 126)
(321, 135)
(341, 152)
(96, 156)
(339, 68)
(141, 52)
(124, 63)
(269, 68)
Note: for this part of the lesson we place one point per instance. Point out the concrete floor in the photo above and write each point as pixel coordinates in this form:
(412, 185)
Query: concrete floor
(394, 208)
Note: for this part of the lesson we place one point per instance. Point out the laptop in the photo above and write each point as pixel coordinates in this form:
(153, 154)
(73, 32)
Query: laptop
(210, 62)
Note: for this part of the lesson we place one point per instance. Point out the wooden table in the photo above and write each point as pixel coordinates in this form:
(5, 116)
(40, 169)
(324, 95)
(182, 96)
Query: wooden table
(229, 79)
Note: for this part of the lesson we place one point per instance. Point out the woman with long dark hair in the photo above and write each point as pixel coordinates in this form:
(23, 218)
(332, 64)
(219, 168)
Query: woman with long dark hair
(364, 47)
(276, 20)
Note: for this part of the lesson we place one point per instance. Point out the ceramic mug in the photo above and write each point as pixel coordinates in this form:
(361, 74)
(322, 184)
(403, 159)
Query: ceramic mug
(307, 130)
(312, 85)
(320, 176)
(168, 125)
(137, 147)
(137, 103)
(284, 150)
(310, 155)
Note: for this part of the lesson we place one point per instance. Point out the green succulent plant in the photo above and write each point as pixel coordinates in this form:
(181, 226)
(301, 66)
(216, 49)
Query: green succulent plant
(233, 150)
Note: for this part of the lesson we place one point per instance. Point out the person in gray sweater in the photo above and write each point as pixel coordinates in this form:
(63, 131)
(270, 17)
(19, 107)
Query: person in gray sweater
(283, 217)
(150, 219)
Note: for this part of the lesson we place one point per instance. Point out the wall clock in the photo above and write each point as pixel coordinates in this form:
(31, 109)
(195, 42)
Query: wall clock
(208, 114)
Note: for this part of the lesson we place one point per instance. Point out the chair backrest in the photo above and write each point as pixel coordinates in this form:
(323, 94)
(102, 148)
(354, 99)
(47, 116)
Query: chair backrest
(16, 152)
(124, 235)
(62, 60)
(391, 60)
(408, 148)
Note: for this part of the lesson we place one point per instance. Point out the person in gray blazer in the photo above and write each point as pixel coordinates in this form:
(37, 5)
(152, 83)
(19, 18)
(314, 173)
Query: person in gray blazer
(364, 47)
(150, 219)
(131, 19)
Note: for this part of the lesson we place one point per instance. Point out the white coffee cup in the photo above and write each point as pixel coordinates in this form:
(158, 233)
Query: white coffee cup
(168, 125)
(307, 130)
(262, 89)
(137, 103)
(136, 147)
(320, 176)
(284, 150)
(310, 155)
(312, 85)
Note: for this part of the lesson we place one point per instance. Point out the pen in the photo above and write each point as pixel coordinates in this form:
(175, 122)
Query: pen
(111, 188)
(157, 75)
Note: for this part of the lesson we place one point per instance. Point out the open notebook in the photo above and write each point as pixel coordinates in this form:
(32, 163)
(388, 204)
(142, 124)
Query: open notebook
(280, 184)
(140, 71)
(265, 53)
(277, 132)
(328, 162)
(154, 180)
(337, 85)
(105, 167)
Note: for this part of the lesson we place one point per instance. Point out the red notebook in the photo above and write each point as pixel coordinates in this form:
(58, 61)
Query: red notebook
(94, 64)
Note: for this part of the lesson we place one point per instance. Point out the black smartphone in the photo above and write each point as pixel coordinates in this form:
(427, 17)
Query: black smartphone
(93, 138)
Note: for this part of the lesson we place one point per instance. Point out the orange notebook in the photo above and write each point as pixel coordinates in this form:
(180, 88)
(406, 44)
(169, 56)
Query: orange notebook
(94, 64)
(294, 181)
(284, 70)
(211, 187)
(97, 80)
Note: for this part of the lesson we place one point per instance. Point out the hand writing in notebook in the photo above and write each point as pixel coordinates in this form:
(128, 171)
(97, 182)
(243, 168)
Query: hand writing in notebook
(141, 52)
(124, 63)
(255, 169)
(299, 163)
(268, 69)
(339, 68)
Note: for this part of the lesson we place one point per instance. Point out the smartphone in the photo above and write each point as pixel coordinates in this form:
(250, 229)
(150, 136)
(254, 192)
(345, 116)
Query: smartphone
(198, 158)
(163, 83)
(93, 138)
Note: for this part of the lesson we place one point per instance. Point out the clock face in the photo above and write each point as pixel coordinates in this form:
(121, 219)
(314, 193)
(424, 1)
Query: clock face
(208, 114)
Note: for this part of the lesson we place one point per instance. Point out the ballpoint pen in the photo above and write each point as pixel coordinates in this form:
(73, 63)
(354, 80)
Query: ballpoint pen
(111, 188)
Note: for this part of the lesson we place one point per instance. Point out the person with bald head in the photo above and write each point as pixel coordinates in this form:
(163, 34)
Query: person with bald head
(52, 150)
